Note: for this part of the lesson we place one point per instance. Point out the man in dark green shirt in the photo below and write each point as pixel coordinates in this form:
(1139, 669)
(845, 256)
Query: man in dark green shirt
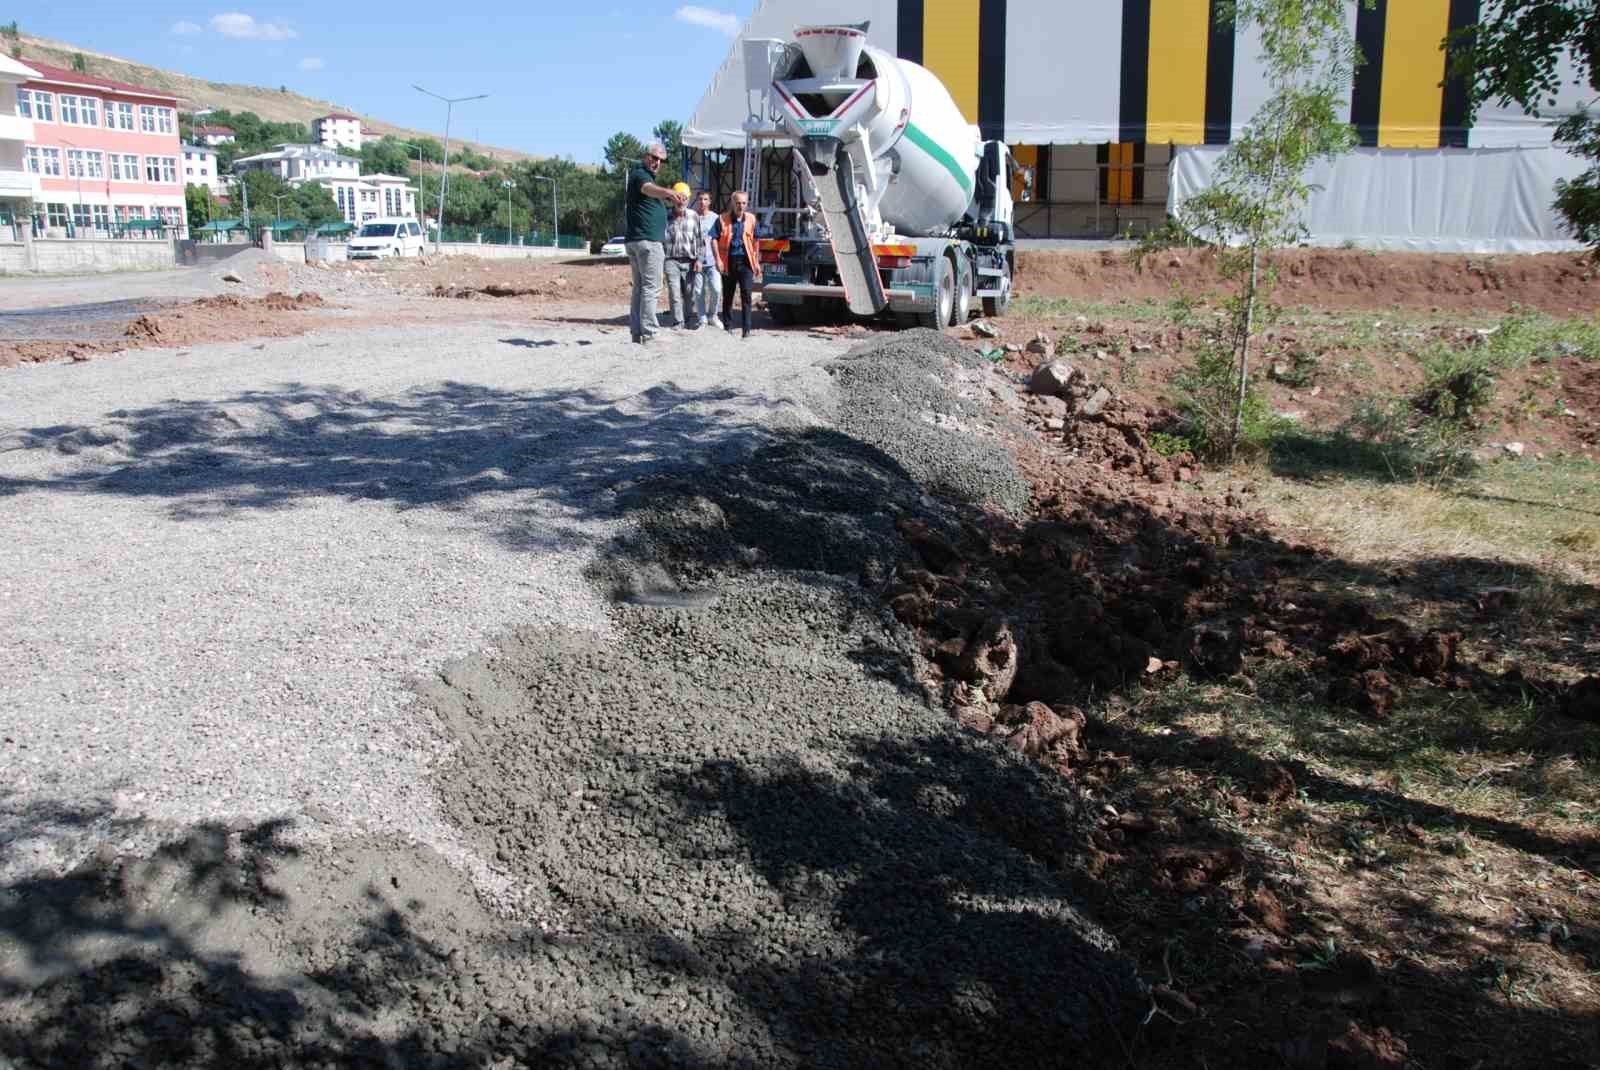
(646, 205)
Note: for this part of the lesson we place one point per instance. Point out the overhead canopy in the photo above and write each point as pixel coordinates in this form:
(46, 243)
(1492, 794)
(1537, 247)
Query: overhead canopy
(145, 224)
(1043, 72)
(336, 228)
(284, 225)
(217, 226)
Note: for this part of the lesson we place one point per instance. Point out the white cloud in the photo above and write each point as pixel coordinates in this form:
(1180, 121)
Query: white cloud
(245, 27)
(312, 63)
(185, 28)
(724, 22)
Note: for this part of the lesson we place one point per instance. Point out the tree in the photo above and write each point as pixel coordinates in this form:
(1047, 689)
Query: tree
(273, 198)
(14, 36)
(427, 148)
(670, 133)
(1257, 200)
(386, 156)
(1515, 55)
(622, 151)
(80, 63)
(197, 199)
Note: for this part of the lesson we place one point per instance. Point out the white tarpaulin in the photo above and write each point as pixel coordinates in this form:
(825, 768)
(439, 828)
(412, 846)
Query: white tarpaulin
(1440, 200)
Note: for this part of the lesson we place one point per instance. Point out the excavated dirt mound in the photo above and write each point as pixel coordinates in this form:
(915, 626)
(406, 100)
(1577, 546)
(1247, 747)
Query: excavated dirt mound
(224, 318)
(1330, 278)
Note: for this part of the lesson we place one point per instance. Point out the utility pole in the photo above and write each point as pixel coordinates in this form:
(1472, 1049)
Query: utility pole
(555, 209)
(444, 179)
(508, 186)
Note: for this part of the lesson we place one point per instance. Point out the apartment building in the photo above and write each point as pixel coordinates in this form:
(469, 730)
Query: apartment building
(16, 184)
(100, 152)
(300, 163)
(214, 135)
(333, 131)
(200, 169)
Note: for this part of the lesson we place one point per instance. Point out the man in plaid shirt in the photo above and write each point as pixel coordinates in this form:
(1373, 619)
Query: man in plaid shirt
(684, 244)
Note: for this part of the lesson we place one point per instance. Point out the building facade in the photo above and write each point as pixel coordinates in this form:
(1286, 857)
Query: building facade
(372, 196)
(101, 153)
(1115, 138)
(200, 169)
(214, 135)
(17, 186)
(300, 163)
(335, 131)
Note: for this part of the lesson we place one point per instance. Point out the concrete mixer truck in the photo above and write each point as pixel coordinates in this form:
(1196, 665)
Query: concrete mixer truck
(909, 209)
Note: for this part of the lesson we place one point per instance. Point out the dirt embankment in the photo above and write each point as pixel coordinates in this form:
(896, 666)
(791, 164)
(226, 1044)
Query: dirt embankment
(1559, 283)
(1135, 573)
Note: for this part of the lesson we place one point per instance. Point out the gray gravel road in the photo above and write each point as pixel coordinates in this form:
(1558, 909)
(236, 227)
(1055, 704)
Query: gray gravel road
(223, 567)
(507, 696)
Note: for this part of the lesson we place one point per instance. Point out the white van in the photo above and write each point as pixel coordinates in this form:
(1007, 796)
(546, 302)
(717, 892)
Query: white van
(379, 238)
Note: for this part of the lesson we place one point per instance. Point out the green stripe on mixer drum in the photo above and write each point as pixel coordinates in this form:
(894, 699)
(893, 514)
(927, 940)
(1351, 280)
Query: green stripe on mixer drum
(931, 147)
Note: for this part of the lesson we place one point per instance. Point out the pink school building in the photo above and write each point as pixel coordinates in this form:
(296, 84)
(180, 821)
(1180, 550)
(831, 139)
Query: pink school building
(103, 153)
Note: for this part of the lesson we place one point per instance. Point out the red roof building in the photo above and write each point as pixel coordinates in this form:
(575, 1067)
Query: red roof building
(103, 152)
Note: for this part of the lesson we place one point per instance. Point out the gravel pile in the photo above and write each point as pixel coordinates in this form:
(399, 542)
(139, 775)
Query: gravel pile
(719, 821)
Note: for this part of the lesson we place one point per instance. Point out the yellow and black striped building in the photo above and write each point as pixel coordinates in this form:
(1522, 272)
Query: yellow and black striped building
(1100, 97)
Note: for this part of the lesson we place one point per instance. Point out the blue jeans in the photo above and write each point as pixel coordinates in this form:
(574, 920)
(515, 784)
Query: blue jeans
(708, 290)
(645, 259)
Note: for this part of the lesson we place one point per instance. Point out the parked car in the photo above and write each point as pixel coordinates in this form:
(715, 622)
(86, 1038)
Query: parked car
(379, 238)
(617, 246)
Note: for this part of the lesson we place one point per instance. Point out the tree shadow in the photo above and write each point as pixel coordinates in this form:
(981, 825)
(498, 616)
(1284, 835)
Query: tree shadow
(524, 463)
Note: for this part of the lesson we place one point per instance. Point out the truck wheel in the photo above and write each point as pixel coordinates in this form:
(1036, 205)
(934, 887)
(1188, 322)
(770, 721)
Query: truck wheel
(995, 307)
(944, 298)
(963, 301)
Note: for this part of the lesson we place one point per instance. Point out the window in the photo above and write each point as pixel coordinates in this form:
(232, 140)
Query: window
(102, 216)
(25, 103)
(94, 164)
(57, 214)
(91, 110)
(169, 169)
(76, 166)
(188, 170)
(189, 156)
(43, 109)
(125, 167)
(152, 169)
(80, 215)
(124, 116)
(147, 118)
(164, 120)
(44, 161)
(69, 109)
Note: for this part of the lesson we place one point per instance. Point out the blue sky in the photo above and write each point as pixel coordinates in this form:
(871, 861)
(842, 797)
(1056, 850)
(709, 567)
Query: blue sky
(561, 77)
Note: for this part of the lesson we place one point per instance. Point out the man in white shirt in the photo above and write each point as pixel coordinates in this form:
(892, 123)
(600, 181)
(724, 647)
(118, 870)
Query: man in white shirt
(708, 285)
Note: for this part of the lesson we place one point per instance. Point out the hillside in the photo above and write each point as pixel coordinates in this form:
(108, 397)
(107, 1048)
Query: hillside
(273, 104)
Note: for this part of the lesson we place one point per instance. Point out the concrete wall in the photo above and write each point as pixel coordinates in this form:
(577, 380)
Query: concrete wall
(86, 256)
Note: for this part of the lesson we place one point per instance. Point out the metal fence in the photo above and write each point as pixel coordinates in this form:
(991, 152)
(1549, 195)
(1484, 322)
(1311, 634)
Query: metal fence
(492, 235)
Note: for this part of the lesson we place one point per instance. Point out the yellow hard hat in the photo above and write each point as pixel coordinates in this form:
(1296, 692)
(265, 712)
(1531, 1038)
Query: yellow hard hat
(681, 187)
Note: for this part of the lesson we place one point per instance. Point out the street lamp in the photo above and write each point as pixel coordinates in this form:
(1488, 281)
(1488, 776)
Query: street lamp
(508, 186)
(555, 210)
(444, 179)
(277, 203)
(83, 162)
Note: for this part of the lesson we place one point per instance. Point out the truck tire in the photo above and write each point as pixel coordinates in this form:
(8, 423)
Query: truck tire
(995, 307)
(963, 300)
(944, 297)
